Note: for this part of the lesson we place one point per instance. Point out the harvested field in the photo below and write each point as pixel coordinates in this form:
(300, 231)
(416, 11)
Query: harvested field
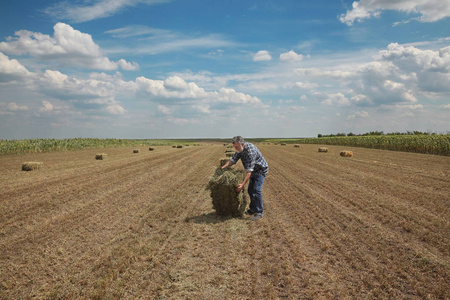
(142, 226)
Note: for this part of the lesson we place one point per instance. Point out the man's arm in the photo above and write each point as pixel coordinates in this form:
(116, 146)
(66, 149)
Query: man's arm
(228, 164)
(241, 186)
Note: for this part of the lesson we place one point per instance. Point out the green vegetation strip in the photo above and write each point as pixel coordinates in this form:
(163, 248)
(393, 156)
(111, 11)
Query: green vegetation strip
(428, 144)
(49, 145)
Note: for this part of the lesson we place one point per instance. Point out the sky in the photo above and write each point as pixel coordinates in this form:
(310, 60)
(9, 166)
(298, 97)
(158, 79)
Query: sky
(215, 69)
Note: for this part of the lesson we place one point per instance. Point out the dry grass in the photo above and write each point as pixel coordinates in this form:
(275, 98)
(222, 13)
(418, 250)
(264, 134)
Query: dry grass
(372, 227)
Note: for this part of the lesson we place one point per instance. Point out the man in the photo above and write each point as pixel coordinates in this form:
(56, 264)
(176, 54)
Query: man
(256, 167)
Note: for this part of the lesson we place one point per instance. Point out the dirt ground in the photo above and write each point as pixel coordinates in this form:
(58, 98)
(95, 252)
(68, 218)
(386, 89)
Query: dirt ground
(376, 225)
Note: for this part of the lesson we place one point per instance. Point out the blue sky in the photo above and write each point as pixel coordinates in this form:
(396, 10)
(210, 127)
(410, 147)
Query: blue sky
(204, 69)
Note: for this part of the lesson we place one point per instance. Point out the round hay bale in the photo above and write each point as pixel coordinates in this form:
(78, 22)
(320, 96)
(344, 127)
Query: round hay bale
(296, 146)
(101, 156)
(174, 146)
(283, 144)
(179, 146)
(323, 149)
(226, 201)
(30, 166)
(346, 153)
(136, 151)
(151, 149)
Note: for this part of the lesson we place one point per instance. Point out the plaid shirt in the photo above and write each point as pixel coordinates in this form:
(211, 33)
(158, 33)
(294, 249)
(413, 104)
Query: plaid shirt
(252, 159)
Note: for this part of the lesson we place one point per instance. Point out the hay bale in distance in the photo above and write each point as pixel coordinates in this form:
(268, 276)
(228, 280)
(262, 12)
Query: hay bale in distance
(174, 146)
(30, 166)
(179, 146)
(346, 153)
(101, 156)
(151, 149)
(323, 149)
(226, 201)
(136, 151)
(296, 146)
(283, 144)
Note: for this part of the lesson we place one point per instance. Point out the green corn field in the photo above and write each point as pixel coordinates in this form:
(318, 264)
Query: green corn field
(48, 145)
(428, 144)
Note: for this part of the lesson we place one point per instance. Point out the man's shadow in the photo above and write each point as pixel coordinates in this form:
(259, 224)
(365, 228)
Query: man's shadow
(209, 218)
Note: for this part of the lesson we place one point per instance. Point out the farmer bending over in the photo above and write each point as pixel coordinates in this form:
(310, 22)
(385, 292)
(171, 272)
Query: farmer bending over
(256, 167)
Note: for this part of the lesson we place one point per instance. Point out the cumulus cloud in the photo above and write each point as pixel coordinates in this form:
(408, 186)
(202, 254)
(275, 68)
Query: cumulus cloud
(100, 9)
(262, 55)
(429, 10)
(46, 107)
(14, 107)
(306, 85)
(11, 69)
(291, 56)
(175, 90)
(398, 75)
(68, 47)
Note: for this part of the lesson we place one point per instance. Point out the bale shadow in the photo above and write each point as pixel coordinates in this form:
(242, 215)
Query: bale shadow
(210, 218)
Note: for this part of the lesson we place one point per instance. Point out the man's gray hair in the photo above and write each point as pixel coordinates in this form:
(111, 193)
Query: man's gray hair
(238, 139)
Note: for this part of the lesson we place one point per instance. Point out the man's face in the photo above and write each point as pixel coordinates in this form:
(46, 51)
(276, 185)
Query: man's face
(238, 147)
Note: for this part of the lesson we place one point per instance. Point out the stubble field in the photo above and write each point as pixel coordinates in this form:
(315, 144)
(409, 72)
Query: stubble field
(376, 225)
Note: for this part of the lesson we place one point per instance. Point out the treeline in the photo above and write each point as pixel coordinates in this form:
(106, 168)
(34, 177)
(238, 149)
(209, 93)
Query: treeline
(377, 133)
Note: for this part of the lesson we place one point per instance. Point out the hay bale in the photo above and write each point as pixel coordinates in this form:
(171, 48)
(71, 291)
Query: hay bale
(346, 153)
(323, 149)
(223, 161)
(296, 146)
(226, 201)
(136, 151)
(174, 146)
(30, 166)
(283, 144)
(151, 149)
(179, 146)
(101, 156)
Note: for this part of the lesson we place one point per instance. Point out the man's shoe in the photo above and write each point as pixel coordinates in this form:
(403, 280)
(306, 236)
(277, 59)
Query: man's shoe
(250, 212)
(257, 216)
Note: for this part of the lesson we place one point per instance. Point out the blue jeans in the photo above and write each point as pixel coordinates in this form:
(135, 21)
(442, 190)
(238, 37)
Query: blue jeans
(255, 192)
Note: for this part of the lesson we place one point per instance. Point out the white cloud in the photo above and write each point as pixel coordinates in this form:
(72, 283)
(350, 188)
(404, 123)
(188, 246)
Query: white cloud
(306, 85)
(69, 47)
(153, 41)
(128, 66)
(291, 56)
(430, 10)
(115, 109)
(47, 107)
(164, 109)
(262, 55)
(11, 69)
(12, 106)
(358, 114)
(100, 9)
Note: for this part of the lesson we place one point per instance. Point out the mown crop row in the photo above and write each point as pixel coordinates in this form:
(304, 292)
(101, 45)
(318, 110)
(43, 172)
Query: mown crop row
(428, 144)
(48, 145)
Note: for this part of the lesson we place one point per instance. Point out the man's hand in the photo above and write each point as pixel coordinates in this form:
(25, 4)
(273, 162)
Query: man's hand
(239, 187)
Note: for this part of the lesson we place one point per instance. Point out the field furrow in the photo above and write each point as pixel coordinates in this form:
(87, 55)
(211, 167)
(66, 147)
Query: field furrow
(142, 226)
